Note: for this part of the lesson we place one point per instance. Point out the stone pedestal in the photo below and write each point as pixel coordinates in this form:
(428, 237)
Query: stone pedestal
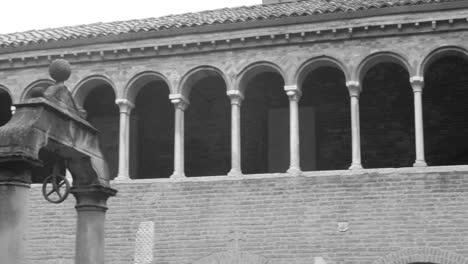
(14, 195)
(91, 210)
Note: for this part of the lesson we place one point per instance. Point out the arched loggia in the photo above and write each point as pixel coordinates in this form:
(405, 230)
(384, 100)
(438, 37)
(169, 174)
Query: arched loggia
(265, 120)
(445, 104)
(325, 119)
(207, 123)
(151, 127)
(5, 106)
(386, 114)
(96, 96)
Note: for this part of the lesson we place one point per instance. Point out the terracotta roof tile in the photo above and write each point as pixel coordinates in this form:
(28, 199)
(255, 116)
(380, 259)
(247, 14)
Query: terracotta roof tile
(211, 17)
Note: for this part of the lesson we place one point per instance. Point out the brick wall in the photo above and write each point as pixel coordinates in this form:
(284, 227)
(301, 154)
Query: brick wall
(282, 218)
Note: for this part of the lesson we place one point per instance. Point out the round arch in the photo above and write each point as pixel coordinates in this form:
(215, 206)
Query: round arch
(5, 89)
(438, 53)
(6, 102)
(85, 86)
(318, 62)
(196, 74)
(380, 57)
(422, 255)
(254, 69)
(139, 80)
(43, 83)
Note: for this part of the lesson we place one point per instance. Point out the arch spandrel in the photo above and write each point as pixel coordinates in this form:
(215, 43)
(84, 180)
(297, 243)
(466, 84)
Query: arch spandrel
(438, 53)
(86, 85)
(319, 62)
(135, 84)
(380, 57)
(196, 74)
(3, 88)
(256, 68)
(42, 83)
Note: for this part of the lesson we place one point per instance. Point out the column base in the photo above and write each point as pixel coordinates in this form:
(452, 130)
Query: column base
(235, 172)
(295, 171)
(122, 178)
(178, 176)
(420, 163)
(355, 166)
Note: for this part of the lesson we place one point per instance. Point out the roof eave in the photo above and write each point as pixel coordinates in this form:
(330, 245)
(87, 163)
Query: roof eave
(238, 26)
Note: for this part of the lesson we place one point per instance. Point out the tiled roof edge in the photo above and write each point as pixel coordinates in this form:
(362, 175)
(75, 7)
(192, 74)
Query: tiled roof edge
(84, 34)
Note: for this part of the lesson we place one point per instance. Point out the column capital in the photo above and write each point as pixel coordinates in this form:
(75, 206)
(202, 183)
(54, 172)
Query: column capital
(125, 105)
(354, 88)
(236, 96)
(179, 101)
(92, 198)
(293, 92)
(417, 83)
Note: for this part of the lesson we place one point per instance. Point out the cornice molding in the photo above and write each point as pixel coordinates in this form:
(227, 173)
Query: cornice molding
(294, 37)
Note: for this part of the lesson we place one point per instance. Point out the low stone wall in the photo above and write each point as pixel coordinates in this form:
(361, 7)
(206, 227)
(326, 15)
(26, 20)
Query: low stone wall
(372, 216)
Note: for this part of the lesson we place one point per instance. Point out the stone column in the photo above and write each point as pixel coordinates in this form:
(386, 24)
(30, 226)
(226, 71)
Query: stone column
(15, 179)
(354, 89)
(125, 107)
(417, 83)
(294, 95)
(91, 214)
(236, 102)
(180, 104)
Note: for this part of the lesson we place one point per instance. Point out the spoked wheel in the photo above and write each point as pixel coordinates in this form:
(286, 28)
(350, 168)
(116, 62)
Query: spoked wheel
(56, 187)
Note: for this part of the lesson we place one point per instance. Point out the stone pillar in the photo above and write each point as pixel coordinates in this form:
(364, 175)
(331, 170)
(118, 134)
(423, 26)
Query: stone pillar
(417, 83)
(180, 104)
(15, 179)
(125, 107)
(236, 102)
(91, 214)
(354, 89)
(294, 95)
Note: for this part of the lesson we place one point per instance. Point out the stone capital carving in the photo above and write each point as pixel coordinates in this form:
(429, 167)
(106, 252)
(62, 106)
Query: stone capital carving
(125, 105)
(354, 88)
(417, 83)
(293, 92)
(92, 197)
(236, 97)
(179, 101)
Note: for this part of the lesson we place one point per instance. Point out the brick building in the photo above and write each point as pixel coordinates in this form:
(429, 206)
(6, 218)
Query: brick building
(313, 131)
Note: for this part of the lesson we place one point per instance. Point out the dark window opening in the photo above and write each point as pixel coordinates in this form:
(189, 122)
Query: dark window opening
(445, 105)
(208, 129)
(153, 119)
(387, 117)
(5, 107)
(103, 114)
(325, 121)
(265, 125)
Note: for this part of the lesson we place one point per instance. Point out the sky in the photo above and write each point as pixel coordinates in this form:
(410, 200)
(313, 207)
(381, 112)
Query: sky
(22, 15)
